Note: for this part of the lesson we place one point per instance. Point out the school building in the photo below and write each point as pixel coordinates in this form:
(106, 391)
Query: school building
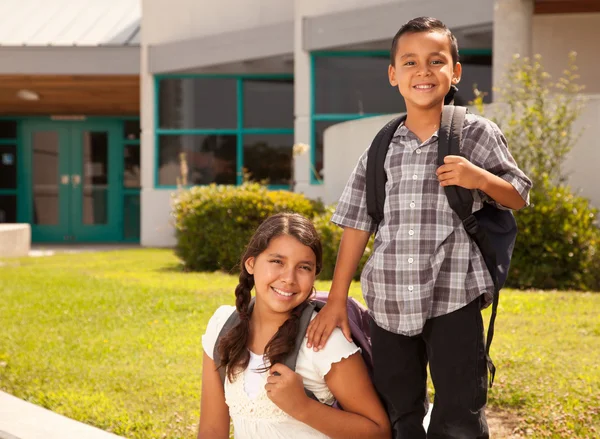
(100, 98)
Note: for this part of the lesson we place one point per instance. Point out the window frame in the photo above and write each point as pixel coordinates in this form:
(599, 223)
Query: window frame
(239, 131)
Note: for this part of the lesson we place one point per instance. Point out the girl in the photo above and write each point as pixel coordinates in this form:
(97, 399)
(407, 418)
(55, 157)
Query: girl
(264, 398)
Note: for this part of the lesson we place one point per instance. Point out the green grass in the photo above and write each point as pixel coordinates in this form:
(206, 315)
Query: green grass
(113, 339)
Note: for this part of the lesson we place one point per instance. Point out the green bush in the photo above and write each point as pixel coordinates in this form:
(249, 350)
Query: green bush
(331, 236)
(214, 223)
(558, 243)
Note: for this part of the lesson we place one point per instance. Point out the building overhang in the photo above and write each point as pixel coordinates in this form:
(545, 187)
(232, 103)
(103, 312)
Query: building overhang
(226, 48)
(70, 60)
(381, 22)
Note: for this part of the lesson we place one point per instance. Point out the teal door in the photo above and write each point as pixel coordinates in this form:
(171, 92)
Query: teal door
(73, 181)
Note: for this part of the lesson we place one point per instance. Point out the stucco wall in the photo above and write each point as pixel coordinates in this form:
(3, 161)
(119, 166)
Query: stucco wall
(554, 36)
(345, 142)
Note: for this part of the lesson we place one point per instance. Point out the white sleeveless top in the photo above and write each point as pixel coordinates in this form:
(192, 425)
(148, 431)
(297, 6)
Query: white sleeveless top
(252, 412)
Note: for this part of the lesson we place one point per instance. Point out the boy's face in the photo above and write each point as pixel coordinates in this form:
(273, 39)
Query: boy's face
(423, 70)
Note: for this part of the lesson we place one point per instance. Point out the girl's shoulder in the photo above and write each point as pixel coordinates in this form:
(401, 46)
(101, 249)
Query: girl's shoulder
(214, 326)
(335, 350)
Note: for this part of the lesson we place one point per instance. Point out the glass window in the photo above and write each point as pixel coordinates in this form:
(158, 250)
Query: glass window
(269, 156)
(476, 70)
(187, 103)
(209, 158)
(8, 129)
(131, 220)
(354, 85)
(8, 167)
(268, 103)
(8, 209)
(131, 130)
(320, 128)
(131, 166)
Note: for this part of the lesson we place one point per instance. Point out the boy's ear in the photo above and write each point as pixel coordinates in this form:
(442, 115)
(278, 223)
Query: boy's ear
(392, 76)
(249, 264)
(457, 73)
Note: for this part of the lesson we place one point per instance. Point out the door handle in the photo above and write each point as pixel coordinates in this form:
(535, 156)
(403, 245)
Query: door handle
(76, 179)
(64, 179)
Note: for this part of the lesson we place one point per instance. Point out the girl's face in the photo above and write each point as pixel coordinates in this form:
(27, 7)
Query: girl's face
(284, 274)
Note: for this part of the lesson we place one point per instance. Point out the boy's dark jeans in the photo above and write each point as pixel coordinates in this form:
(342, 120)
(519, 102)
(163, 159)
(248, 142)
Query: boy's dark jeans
(454, 346)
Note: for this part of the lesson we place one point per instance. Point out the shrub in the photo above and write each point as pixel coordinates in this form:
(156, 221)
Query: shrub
(331, 236)
(558, 243)
(214, 223)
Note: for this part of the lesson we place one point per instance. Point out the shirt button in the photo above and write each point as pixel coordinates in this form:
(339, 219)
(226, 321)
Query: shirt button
(411, 232)
(418, 151)
(412, 205)
(415, 177)
(410, 260)
(410, 288)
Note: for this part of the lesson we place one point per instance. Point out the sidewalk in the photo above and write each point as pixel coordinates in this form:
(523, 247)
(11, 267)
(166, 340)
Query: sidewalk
(22, 420)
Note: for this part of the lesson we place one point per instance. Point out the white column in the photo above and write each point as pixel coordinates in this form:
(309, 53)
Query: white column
(513, 22)
(302, 73)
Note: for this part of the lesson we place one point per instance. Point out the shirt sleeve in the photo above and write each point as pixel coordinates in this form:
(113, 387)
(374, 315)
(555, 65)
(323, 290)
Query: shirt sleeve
(491, 153)
(215, 324)
(336, 349)
(351, 210)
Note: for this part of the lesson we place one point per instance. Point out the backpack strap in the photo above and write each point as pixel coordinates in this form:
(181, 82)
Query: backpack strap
(232, 321)
(461, 201)
(376, 176)
(292, 358)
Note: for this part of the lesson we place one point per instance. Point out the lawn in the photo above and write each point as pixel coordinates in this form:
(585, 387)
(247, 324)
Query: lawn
(113, 339)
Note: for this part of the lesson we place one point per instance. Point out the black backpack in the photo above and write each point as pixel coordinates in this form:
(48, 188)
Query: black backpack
(493, 230)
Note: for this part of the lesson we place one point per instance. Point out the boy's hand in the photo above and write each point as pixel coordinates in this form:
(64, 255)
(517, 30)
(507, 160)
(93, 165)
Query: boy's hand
(458, 171)
(334, 314)
(285, 388)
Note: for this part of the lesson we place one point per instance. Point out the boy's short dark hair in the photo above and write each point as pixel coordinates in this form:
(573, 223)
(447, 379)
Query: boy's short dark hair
(425, 24)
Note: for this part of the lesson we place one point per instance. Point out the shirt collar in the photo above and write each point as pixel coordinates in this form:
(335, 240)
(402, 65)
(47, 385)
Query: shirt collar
(403, 133)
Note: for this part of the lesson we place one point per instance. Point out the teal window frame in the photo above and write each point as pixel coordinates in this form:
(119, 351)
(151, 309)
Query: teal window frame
(239, 131)
(329, 117)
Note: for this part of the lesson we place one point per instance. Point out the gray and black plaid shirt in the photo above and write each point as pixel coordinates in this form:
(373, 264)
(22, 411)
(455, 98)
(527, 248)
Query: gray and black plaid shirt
(424, 264)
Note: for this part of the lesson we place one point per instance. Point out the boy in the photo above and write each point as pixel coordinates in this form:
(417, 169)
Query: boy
(426, 281)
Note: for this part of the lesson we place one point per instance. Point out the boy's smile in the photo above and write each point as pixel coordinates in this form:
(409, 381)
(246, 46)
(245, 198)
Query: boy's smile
(423, 69)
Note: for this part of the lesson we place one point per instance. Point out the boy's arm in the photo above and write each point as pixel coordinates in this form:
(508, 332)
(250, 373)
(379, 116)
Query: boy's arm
(458, 171)
(333, 314)
(490, 167)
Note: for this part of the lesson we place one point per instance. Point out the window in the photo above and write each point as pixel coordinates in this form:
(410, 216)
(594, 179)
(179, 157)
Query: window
(223, 124)
(347, 86)
(131, 180)
(352, 85)
(476, 70)
(8, 170)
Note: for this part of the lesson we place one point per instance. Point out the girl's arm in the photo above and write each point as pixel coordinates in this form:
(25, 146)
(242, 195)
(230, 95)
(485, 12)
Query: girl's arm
(214, 413)
(363, 415)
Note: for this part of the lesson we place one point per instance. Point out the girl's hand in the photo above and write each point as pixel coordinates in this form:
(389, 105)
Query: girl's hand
(285, 388)
(334, 314)
(458, 171)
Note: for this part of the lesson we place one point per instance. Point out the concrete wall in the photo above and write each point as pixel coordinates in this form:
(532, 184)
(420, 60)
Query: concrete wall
(554, 36)
(199, 18)
(346, 142)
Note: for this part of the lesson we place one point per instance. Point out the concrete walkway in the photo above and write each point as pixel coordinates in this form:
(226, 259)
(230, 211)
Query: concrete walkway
(52, 249)
(22, 420)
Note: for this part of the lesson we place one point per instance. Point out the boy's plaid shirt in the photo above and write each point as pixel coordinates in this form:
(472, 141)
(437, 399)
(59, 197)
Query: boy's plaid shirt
(424, 264)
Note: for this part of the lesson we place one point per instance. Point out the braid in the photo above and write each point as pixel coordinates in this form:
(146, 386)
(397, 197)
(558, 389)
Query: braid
(233, 346)
(284, 341)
